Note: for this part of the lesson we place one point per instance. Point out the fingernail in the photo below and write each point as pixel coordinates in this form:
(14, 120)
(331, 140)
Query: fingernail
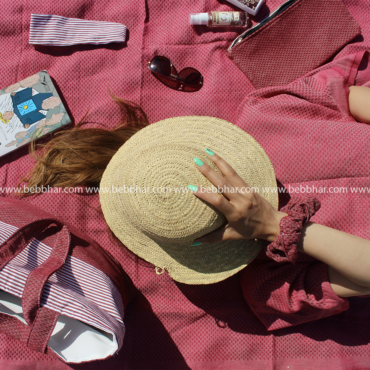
(193, 188)
(198, 162)
(209, 152)
(195, 244)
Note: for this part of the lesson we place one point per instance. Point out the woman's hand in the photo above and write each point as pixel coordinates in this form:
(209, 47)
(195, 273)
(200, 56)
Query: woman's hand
(249, 215)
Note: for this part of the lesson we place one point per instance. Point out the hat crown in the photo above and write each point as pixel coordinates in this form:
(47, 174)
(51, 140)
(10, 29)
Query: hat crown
(158, 198)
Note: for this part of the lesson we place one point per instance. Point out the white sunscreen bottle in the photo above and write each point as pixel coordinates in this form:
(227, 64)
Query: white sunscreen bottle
(217, 19)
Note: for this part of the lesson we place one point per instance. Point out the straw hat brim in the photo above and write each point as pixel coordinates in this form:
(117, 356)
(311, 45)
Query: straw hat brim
(141, 221)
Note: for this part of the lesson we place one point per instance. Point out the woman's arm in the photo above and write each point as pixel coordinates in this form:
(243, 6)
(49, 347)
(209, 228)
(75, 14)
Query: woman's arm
(250, 216)
(348, 257)
(359, 103)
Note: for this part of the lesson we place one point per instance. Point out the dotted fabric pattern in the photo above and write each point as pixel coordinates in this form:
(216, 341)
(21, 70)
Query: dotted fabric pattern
(284, 295)
(171, 325)
(326, 26)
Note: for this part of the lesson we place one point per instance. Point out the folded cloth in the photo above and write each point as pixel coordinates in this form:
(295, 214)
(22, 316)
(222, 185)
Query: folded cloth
(288, 45)
(62, 31)
(283, 295)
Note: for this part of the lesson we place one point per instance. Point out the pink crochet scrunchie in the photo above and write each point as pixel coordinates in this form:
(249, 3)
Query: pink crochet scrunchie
(299, 211)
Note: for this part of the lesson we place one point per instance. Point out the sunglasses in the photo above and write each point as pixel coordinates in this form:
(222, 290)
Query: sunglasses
(187, 80)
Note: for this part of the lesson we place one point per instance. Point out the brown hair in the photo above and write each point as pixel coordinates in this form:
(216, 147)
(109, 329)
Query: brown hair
(78, 157)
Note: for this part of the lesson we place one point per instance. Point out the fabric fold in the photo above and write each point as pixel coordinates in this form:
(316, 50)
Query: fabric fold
(283, 295)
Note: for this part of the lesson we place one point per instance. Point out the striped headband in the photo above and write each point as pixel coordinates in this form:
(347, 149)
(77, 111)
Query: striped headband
(62, 31)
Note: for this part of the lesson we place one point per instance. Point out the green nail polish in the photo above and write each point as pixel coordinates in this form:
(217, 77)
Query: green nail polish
(198, 162)
(193, 188)
(209, 152)
(195, 244)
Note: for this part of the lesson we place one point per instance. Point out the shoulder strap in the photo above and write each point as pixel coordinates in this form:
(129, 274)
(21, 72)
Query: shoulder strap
(42, 319)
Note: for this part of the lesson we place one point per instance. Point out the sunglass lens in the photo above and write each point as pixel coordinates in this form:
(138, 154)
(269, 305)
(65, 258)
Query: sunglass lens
(173, 84)
(191, 78)
(161, 65)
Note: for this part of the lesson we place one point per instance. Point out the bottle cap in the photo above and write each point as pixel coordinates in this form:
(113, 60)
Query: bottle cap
(198, 19)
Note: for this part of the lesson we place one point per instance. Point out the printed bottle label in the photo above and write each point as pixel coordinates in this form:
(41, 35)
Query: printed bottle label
(250, 3)
(225, 18)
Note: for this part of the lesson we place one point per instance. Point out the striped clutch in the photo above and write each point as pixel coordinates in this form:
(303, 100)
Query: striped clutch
(60, 292)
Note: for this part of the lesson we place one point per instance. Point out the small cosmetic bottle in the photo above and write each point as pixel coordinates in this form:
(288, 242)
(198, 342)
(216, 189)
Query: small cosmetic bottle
(250, 6)
(217, 19)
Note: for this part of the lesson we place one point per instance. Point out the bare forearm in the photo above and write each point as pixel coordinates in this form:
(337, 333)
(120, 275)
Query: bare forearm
(345, 253)
(359, 103)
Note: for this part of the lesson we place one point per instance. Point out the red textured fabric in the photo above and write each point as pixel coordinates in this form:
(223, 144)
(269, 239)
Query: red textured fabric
(170, 325)
(299, 212)
(33, 222)
(42, 329)
(31, 297)
(29, 218)
(278, 295)
(42, 319)
(311, 118)
(283, 295)
(38, 277)
(300, 39)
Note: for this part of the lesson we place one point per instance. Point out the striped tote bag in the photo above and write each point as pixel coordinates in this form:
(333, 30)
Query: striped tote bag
(60, 292)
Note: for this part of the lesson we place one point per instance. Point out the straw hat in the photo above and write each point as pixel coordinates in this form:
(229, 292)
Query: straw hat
(146, 202)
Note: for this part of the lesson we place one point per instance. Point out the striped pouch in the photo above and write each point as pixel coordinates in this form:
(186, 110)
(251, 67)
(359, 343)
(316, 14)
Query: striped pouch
(47, 29)
(60, 292)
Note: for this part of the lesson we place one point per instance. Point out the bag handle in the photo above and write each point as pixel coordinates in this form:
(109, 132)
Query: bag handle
(18, 241)
(42, 319)
(37, 278)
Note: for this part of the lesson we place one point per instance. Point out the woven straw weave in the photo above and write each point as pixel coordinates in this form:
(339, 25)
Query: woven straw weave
(160, 225)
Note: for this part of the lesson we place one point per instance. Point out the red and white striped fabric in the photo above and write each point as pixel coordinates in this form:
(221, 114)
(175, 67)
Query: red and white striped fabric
(46, 29)
(78, 290)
